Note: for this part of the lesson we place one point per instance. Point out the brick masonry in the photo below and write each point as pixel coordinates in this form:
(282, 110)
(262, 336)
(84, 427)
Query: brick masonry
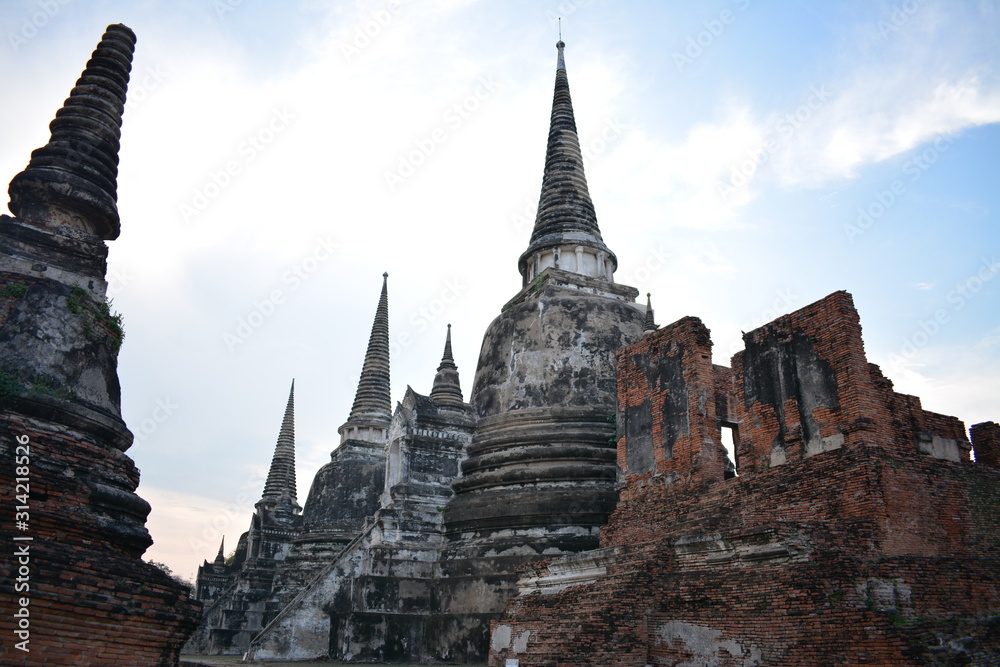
(91, 602)
(859, 530)
(986, 443)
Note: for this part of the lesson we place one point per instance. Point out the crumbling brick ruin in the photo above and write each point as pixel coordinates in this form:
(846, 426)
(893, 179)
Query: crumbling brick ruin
(74, 590)
(580, 509)
(858, 529)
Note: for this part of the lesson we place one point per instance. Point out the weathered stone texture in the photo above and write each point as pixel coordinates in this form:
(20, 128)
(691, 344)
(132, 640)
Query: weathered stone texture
(879, 550)
(379, 598)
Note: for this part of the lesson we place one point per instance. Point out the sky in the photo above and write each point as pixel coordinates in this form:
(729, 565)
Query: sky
(745, 158)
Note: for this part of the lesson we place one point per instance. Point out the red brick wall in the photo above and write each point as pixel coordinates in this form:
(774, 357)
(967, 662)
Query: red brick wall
(92, 601)
(870, 552)
(644, 376)
(986, 441)
(821, 339)
(867, 575)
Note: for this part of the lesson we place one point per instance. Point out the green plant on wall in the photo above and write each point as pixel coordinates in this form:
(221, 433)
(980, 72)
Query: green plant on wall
(80, 303)
(13, 290)
(536, 287)
(12, 384)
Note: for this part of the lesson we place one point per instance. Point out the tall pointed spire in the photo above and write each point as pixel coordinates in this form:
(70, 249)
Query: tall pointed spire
(220, 558)
(650, 323)
(566, 235)
(73, 179)
(371, 413)
(447, 390)
(279, 488)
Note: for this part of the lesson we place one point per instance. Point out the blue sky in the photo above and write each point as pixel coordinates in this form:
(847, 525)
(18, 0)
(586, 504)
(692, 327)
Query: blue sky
(745, 159)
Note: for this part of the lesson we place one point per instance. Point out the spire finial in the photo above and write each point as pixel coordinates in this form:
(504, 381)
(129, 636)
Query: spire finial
(220, 558)
(280, 485)
(560, 28)
(73, 179)
(566, 221)
(447, 390)
(372, 409)
(649, 325)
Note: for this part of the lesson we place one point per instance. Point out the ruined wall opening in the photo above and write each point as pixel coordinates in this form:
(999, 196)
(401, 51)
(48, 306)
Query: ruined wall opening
(730, 434)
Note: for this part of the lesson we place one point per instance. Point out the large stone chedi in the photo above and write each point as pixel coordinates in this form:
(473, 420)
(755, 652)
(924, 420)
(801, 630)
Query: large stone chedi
(540, 471)
(85, 596)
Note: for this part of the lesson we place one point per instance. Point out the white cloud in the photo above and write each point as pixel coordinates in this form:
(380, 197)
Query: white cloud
(960, 380)
(924, 80)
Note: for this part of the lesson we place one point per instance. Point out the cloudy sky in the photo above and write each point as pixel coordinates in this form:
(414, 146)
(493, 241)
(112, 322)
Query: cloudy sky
(745, 158)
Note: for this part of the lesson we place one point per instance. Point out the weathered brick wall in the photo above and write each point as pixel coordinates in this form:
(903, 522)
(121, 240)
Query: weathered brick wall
(986, 442)
(782, 567)
(880, 547)
(800, 389)
(667, 403)
(92, 601)
(667, 425)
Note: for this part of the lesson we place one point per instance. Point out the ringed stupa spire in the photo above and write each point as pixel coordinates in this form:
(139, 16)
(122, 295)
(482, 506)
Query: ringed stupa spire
(73, 179)
(280, 485)
(650, 323)
(371, 413)
(565, 235)
(447, 390)
(220, 558)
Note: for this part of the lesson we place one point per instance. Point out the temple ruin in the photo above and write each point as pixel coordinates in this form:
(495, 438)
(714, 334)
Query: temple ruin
(581, 508)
